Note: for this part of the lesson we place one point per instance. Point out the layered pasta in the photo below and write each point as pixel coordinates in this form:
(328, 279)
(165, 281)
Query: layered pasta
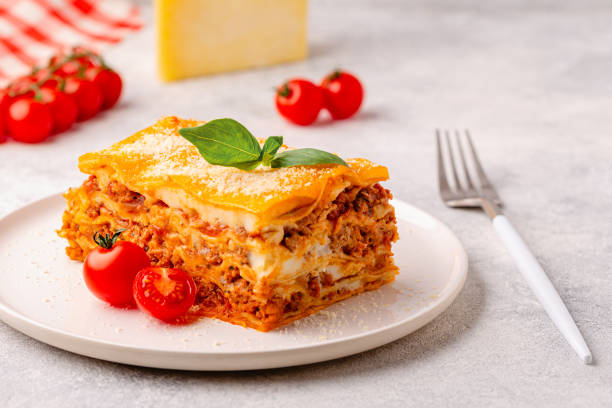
(265, 247)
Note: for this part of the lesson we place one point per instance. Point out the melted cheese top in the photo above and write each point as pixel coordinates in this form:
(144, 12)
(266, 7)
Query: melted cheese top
(160, 163)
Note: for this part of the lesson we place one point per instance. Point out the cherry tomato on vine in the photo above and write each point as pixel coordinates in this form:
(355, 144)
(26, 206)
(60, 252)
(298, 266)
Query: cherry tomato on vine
(87, 96)
(45, 78)
(41, 73)
(109, 83)
(63, 108)
(89, 58)
(109, 270)
(22, 85)
(68, 64)
(52, 82)
(3, 135)
(29, 120)
(299, 101)
(68, 69)
(164, 293)
(5, 100)
(342, 94)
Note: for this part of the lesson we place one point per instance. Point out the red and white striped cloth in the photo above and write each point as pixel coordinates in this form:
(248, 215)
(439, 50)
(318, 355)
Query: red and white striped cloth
(31, 31)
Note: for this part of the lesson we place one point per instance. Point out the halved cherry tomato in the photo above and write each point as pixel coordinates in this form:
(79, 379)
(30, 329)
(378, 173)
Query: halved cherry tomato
(63, 108)
(342, 94)
(164, 293)
(87, 96)
(299, 101)
(109, 270)
(109, 83)
(29, 120)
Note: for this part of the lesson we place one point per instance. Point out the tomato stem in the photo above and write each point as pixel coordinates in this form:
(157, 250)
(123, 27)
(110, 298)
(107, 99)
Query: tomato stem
(61, 83)
(81, 71)
(52, 67)
(75, 56)
(284, 90)
(107, 241)
(336, 74)
(37, 94)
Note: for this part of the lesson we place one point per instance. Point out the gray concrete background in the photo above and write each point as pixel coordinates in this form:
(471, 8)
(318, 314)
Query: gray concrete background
(532, 79)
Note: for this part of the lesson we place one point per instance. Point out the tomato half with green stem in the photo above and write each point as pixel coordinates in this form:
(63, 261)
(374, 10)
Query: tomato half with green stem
(299, 101)
(164, 293)
(109, 270)
(342, 94)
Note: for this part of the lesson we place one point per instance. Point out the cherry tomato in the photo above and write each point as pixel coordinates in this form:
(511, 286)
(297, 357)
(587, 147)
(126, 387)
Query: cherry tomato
(342, 94)
(46, 79)
(68, 69)
(29, 120)
(86, 94)
(299, 101)
(52, 82)
(5, 100)
(63, 108)
(66, 64)
(164, 293)
(92, 58)
(22, 85)
(41, 73)
(109, 270)
(109, 83)
(56, 59)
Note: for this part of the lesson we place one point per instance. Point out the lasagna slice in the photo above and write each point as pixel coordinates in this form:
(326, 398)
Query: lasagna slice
(265, 247)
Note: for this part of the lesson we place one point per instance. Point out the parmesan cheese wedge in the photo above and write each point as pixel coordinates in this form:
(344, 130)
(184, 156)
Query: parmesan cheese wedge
(200, 37)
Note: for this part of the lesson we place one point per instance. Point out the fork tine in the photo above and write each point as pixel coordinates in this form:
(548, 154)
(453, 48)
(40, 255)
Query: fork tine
(452, 161)
(466, 171)
(485, 184)
(442, 182)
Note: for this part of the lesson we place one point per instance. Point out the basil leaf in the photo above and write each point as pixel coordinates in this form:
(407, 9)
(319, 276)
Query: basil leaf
(247, 166)
(270, 147)
(224, 142)
(305, 157)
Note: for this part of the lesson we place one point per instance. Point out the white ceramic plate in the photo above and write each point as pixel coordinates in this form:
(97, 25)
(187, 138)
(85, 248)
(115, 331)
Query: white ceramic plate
(42, 295)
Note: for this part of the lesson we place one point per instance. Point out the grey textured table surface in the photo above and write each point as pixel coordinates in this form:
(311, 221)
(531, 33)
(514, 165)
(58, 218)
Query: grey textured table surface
(533, 80)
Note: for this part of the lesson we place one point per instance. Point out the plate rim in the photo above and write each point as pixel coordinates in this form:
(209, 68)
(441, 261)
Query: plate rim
(40, 331)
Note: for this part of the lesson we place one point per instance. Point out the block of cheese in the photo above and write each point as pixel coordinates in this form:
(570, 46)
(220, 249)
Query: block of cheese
(199, 37)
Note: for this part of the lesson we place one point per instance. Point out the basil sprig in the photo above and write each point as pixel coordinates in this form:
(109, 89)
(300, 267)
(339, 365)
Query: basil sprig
(225, 142)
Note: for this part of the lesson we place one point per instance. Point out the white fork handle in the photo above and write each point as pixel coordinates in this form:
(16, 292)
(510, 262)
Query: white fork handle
(541, 286)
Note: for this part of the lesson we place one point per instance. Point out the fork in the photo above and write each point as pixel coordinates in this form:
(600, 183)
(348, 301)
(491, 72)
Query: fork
(476, 191)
